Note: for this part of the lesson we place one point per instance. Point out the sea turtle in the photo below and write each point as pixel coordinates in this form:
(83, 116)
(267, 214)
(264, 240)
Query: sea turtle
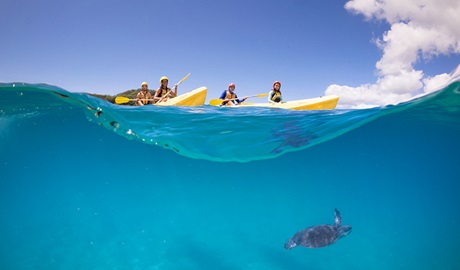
(320, 235)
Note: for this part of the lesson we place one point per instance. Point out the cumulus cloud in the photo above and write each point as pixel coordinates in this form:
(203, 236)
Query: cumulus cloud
(419, 30)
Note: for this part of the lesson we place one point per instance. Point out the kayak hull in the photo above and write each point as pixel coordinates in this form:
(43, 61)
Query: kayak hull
(319, 103)
(195, 97)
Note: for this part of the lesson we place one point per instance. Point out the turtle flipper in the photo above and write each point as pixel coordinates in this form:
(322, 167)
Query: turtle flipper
(338, 218)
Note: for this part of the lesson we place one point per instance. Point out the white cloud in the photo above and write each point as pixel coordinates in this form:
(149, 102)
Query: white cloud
(420, 30)
(434, 83)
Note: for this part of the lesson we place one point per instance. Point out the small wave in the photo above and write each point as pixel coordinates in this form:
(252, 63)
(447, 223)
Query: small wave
(221, 134)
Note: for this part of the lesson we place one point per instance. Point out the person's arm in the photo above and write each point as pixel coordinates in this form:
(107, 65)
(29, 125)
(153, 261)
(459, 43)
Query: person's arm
(224, 94)
(240, 100)
(156, 96)
(270, 95)
(223, 97)
(138, 100)
(175, 91)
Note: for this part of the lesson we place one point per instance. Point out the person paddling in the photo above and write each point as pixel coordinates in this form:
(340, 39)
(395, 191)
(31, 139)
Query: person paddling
(143, 97)
(275, 94)
(163, 93)
(230, 98)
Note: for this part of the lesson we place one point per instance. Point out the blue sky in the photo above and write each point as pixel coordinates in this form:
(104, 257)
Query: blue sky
(109, 47)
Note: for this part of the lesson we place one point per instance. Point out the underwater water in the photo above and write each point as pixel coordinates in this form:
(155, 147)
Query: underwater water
(89, 185)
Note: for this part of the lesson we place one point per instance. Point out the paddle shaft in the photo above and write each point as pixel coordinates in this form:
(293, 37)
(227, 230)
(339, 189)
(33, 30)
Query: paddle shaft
(163, 97)
(258, 95)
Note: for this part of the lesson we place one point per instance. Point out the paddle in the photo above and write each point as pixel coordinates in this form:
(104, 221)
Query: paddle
(121, 100)
(218, 101)
(183, 79)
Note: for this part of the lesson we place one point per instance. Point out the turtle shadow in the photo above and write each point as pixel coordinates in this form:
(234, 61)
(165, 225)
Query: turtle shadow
(292, 135)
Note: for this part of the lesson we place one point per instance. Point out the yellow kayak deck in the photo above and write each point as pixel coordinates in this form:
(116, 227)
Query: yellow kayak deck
(195, 97)
(319, 103)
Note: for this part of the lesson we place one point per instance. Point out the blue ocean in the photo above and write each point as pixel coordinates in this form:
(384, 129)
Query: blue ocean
(85, 184)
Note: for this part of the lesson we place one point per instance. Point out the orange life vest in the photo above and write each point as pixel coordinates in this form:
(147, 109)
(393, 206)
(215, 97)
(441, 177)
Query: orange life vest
(144, 97)
(230, 95)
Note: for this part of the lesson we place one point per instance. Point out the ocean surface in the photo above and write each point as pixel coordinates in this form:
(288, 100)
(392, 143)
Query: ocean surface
(85, 184)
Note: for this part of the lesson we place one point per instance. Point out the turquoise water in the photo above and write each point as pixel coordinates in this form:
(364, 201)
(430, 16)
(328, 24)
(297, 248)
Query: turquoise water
(89, 185)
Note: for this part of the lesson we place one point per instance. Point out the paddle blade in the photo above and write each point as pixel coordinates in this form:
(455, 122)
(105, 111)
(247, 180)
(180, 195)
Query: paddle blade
(262, 95)
(121, 100)
(183, 79)
(215, 102)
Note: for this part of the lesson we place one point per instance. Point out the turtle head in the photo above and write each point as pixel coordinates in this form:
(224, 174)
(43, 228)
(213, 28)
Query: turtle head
(290, 244)
(344, 231)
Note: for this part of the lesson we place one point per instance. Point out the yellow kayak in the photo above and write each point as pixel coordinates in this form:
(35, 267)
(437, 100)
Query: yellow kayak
(319, 103)
(195, 97)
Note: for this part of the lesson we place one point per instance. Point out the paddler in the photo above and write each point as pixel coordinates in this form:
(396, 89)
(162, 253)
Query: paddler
(275, 94)
(230, 98)
(163, 93)
(144, 97)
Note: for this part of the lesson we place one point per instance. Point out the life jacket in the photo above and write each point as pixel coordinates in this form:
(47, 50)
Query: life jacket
(230, 95)
(276, 96)
(145, 97)
(163, 91)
